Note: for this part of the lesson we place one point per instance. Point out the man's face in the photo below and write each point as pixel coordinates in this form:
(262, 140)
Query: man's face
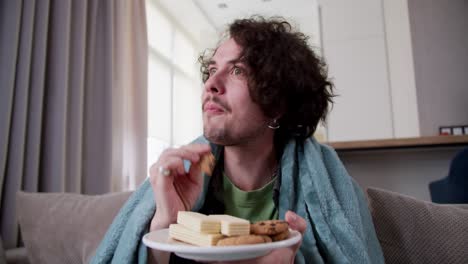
(230, 117)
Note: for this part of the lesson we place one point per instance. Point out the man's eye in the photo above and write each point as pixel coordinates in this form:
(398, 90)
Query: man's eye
(237, 71)
(211, 71)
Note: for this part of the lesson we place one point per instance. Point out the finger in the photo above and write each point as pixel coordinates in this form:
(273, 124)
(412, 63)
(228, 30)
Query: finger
(189, 152)
(180, 153)
(195, 172)
(296, 222)
(175, 165)
(198, 148)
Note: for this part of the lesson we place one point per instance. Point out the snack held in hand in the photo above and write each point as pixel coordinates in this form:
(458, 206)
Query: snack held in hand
(225, 230)
(207, 163)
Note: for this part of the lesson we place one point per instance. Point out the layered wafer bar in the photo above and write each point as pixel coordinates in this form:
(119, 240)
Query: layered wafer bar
(184, 234)
(198, 222)
(232, 226)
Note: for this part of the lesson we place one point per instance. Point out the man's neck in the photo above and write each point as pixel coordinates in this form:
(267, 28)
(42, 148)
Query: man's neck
(251, 166)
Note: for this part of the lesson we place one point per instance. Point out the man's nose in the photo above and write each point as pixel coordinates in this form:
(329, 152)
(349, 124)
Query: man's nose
(215, 84)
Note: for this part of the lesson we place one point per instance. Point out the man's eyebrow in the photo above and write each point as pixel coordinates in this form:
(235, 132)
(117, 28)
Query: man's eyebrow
(235, 61)
(211, 62)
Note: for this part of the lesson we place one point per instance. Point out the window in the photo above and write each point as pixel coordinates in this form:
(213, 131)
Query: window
(174, 84)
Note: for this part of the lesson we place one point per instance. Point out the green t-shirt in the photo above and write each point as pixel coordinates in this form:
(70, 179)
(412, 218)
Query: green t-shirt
(253, 205)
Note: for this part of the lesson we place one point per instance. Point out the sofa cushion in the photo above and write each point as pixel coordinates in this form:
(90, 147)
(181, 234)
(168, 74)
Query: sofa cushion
(65, 227)
(415, 231)
(17, 256)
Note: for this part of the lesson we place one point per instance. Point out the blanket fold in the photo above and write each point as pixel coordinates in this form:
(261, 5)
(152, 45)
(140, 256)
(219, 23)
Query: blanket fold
(314, 184)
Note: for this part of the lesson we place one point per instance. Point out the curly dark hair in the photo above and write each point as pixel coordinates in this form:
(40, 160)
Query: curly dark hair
(286, 77)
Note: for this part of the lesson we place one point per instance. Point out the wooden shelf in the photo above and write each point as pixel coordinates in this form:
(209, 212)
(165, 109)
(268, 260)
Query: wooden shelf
(420, 142)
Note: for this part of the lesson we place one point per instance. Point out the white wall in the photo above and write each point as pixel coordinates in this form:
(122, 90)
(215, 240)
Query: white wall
(367, 44)
(401, 69)
(440, 45)
(355, 50)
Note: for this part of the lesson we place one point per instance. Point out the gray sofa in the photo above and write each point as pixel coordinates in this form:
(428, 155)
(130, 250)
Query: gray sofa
(67, 228)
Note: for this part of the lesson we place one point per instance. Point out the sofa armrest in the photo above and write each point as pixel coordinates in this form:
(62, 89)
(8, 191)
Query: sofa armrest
(16, 256)
(59, 228)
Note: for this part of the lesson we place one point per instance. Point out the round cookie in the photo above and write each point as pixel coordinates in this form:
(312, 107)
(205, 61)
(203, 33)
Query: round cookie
(280, 236)
(267, 239)
(269, 227)
(243, 240)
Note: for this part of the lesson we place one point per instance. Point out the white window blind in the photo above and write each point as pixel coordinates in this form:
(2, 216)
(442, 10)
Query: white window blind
(174, 84)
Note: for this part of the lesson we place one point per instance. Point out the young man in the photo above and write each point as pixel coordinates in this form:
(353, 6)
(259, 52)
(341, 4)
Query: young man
(264, 88)
(265, 92)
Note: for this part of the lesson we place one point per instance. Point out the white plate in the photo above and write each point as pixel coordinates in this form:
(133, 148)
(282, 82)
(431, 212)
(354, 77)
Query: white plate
(160, 240)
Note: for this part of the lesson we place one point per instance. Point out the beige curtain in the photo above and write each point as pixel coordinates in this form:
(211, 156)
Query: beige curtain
(72, 99)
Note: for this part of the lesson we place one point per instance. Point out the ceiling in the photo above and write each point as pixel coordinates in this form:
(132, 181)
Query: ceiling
(303, 14)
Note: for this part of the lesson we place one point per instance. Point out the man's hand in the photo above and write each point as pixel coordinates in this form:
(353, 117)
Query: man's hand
(283, 255)
(173, 188)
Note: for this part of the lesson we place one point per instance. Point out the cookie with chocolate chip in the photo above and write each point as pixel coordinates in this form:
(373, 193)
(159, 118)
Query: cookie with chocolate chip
(280, 236)
(269, 227)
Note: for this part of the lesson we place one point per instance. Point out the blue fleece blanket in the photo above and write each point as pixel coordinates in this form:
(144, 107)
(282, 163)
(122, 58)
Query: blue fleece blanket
(340, 228)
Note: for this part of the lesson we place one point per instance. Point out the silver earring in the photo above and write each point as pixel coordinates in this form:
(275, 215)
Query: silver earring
(274, 124)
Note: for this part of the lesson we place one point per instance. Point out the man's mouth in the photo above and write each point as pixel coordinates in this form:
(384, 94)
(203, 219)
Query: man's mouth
(213, 108)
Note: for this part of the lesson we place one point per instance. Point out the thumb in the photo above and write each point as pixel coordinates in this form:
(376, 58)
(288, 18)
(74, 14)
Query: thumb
(296, 222)
(195, 173)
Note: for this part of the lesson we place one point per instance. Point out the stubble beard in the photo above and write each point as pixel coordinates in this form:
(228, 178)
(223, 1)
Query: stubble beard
(218, 137)
(224, 136)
